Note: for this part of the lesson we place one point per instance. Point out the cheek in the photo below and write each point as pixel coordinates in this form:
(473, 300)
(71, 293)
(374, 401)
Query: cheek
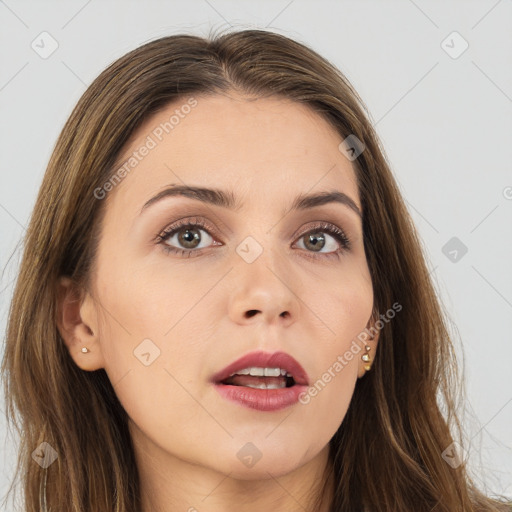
(150, 298)
(346, 308)
(161, 404)
(153, 359)
(347, 304)
(152, 336)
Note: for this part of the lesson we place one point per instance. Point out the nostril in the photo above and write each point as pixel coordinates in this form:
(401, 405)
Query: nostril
(251, 313)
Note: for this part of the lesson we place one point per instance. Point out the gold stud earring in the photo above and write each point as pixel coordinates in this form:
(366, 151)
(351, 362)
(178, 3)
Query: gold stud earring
(85, 350)
(366, 358)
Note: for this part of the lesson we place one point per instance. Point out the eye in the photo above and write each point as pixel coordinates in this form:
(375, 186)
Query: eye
(188, 235)
(315, 240)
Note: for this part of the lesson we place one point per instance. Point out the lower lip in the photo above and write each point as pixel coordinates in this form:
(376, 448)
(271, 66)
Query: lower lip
(261, 399)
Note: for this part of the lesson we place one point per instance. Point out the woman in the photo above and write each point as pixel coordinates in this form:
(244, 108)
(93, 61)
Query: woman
(223, 302)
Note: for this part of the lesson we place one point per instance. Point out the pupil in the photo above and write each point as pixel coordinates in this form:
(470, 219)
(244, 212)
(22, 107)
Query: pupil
(189, 238)
(315, 240)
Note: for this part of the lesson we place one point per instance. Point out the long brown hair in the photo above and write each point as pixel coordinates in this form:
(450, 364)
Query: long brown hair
(387, 453)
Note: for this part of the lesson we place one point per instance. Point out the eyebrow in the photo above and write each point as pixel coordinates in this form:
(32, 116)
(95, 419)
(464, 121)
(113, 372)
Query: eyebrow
(226, 199)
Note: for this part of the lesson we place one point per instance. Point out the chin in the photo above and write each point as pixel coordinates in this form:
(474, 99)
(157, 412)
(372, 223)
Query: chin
(261, 461)
(260, 471)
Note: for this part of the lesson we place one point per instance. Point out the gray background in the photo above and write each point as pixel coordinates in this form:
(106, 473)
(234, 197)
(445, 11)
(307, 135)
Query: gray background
(444, 120)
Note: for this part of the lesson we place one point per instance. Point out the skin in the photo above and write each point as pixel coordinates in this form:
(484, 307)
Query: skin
(186, 436)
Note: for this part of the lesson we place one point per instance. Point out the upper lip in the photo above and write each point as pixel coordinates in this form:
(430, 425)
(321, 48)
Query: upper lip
(265, 360)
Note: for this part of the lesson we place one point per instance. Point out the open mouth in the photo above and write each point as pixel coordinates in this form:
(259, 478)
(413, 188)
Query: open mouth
(263, 381)
(260, 378)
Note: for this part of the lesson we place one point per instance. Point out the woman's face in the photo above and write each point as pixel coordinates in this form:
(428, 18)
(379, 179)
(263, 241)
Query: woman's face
(171, 311)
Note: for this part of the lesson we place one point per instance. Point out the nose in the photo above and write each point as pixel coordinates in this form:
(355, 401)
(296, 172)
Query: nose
(264, 291)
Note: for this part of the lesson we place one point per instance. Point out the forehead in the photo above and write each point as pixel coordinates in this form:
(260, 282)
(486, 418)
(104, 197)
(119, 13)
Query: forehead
(266, 149)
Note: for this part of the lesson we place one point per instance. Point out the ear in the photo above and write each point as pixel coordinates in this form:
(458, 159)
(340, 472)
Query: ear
(78, 325)
(372, 339)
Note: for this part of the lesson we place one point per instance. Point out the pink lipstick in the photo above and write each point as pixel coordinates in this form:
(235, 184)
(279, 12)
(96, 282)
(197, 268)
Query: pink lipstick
(262, 381)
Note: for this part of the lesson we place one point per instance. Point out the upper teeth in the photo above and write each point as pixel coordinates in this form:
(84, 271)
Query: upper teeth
(262, 372)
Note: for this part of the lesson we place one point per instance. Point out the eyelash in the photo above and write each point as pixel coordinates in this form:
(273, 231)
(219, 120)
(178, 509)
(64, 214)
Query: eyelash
(321, 227)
